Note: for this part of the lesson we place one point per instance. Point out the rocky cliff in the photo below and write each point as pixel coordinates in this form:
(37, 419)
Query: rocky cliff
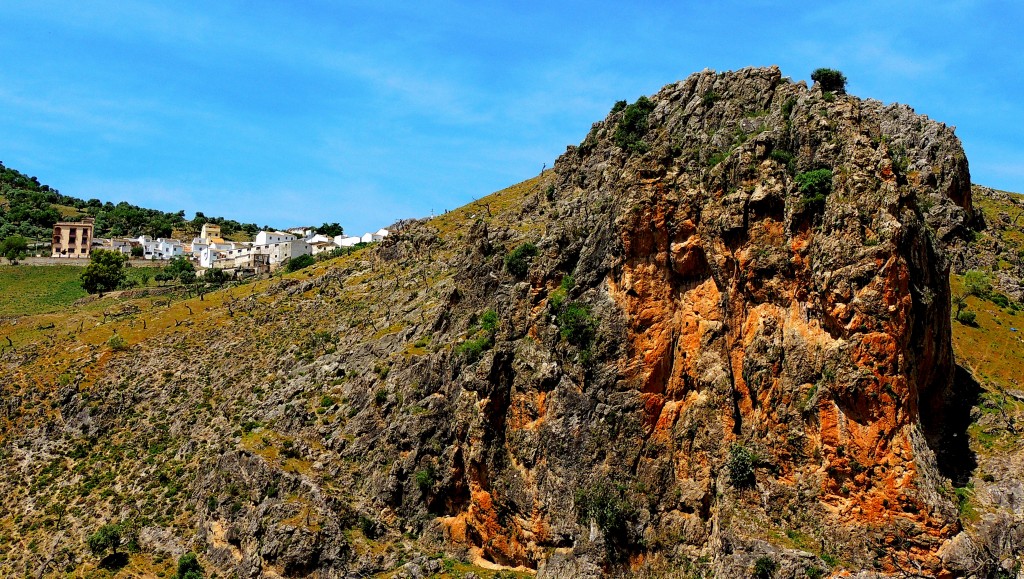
(714, 339)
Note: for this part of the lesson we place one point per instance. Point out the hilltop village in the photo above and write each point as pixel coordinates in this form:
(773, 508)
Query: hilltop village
(268, 251)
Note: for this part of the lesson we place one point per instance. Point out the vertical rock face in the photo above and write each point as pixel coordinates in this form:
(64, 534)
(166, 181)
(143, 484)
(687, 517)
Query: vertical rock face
(813, 334)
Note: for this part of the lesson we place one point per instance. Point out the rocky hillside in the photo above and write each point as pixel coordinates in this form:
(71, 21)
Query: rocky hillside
(714, 340)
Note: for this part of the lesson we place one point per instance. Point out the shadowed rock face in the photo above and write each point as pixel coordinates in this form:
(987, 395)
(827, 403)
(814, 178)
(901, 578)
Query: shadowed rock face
(710, 362)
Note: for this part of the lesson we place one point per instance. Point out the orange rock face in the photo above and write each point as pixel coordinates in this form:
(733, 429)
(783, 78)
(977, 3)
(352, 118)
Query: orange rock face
(819, 344)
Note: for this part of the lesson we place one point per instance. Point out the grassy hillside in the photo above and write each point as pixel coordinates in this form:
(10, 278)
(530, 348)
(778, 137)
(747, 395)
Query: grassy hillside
(27, 290)
(73, 347)
(991, 349)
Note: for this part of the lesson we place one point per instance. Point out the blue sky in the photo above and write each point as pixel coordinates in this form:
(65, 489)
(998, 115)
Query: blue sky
(303, 112)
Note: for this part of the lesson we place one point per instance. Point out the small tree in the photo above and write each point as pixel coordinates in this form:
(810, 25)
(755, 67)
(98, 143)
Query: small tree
(107, 537)
(189, 567)
(105, 271)
(765, 568)
(958, 301)
(517, 262)
(740, 466)
(14, 248)
(331, 229)
(633, 126)
(830, 80)
(180, 268)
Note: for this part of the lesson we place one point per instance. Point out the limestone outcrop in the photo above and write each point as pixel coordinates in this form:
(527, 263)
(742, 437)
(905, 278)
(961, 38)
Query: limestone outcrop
(714, 338)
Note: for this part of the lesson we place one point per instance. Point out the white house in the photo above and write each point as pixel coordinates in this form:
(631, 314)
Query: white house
(302, 232)
(120, 245)
(318, 238)
(381, 234)
(208, 256)
(247, 255)
(285, 250)
(198, 245)
(168, 249)
(268, 237)
(322, 246)
(366, 238)
(346, 241)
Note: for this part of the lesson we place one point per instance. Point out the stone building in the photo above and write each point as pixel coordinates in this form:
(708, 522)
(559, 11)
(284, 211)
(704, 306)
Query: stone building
(72, 239)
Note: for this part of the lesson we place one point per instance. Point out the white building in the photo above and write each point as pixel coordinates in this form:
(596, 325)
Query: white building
(168, 249)
(285, 250)
(245, 255)
(346, 241)
(302, 232)
(381, 234)
(318, 238)
(322, 246)
(268, 237)
(198, 245)
(120, 245)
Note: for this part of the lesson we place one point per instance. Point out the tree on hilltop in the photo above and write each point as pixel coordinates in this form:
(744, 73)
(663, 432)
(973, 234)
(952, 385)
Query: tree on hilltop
(830, 80)
(331, 229)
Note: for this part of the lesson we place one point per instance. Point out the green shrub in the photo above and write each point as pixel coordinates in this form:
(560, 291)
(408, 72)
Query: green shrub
(633, 126)
(740, 466)
(559, 296)
(472, 349)
(300, 262)
(716, 158)
(604, 503)
(765, 567)
(963, 499)
(368, 527)
(618, 106)
(977, 283)
(117, 343)
(830, 80)
(576, 325)
(709, 98)
(481, 337)
(785, 158)
(787, 107)
(814, 187)
(424, 479)
(489, 321)
(14, 248)
(814, 572)
(967, 317)
(517, 262)
(999, 299)
(189, 567)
